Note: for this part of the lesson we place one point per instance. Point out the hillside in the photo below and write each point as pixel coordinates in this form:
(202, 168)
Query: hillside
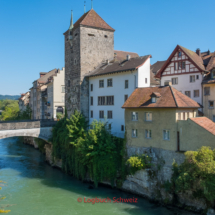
(15, 97)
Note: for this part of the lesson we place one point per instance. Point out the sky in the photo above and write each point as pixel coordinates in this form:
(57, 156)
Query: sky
(32, 41)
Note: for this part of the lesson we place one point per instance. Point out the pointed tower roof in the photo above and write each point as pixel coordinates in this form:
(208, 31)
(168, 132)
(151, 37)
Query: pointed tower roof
(92, 19)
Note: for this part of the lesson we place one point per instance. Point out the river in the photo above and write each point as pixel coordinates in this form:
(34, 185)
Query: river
(35, 188)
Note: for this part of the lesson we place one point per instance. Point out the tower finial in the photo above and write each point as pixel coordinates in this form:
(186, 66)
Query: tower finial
(91, 4)
(84, 6)
(71, 21)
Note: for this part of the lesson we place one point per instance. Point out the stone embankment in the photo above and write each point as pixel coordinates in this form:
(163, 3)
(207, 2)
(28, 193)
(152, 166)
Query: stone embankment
(149, 182)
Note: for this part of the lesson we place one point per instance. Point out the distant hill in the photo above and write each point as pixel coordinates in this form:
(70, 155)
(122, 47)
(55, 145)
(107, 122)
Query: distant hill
(15, 97)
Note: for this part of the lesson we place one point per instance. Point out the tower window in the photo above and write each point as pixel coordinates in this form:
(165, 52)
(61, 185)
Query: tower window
(106, 36)
(91, 35)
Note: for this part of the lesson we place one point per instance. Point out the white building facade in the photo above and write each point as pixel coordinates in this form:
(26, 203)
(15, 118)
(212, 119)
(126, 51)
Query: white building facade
(111, 85)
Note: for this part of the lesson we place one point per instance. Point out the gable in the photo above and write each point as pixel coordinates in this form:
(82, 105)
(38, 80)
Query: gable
(175, 65)
(189, 59)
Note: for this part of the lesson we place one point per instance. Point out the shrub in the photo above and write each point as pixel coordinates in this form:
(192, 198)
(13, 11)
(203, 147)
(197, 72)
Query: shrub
(138, 162)
(196, 173)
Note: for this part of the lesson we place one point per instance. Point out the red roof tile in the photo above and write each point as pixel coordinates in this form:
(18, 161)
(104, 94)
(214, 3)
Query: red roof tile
(205, 123)
(170, 98)
(92, 19)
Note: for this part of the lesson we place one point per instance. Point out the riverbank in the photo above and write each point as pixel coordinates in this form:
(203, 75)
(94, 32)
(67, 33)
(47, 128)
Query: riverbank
(34, 187)
(147, 183)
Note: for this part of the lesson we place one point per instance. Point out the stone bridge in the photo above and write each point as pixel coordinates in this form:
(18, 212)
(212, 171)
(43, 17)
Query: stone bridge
(30, 128)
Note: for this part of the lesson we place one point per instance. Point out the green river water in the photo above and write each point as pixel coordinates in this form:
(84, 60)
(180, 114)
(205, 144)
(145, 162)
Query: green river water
(35, 188)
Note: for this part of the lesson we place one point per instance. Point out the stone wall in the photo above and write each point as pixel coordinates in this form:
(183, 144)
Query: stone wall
(89, 48)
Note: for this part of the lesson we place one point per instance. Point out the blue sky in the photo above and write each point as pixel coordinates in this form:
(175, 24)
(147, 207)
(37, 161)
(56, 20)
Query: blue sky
(31, 32)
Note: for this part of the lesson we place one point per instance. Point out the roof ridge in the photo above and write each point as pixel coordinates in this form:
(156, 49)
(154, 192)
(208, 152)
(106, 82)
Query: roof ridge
(173, 96)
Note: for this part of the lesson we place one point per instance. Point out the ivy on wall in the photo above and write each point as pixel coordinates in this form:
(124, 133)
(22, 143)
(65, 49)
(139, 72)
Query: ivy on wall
(89, 153)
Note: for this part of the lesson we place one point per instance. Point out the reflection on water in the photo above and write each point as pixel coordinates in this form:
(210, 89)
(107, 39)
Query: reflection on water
(35, 188)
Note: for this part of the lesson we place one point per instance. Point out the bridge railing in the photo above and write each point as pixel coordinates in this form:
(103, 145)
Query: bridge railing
(26, 124)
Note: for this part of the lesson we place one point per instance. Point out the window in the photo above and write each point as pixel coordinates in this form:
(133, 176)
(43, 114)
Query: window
(187, 93)
(148, 116)
(213, 118)
(126, 84)
(122, 127)
(110, 100)
(192, 78)
(91, 87)
(188, 114)
(110, 114)
(106, 100)
(175, 65)
(91, 100)
(148, 134)
(211, 104)
(68, 83)
(207, 91)
(109, 126)
(179, 65)
(63, 98)
(179, 54)
(134, 116)
(106, 36)
(134, 132)
(174, 81)
(197, 77)
(109, 83)
(101, 100)
(101, 83)
(63, 89)
(196, 93)
(101, 114)
(126, 97)
(91, 35)
(213, 74)
(153, 99)
(166, 134)
(183, 65)
(183, 115)
(145, 80)
(91, 113)
(179, 116)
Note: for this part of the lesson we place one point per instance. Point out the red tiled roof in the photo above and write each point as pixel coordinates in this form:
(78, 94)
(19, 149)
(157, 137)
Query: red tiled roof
(92, 19)
(205, 123)
(170, 98)
(157, 66)
(122, 55)
(194, 57)
(114, 67)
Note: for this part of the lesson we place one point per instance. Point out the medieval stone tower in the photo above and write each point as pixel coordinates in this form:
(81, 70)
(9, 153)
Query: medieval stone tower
(88, 42)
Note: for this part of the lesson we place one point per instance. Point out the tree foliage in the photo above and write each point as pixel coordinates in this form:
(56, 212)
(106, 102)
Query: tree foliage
(11, 111)
(196, 173)
(93, 153)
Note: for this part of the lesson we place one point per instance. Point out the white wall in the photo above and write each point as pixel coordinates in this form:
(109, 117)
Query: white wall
(58, 82)
(118, 91)
(142, 74)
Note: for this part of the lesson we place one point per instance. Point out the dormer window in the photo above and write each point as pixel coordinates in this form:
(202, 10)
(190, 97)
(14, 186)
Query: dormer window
(153, 99)
(155, 96)
(213, 75)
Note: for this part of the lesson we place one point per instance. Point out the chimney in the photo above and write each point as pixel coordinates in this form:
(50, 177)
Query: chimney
(167, 83)
(209, 52)
(198, 52)
(128, 57)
